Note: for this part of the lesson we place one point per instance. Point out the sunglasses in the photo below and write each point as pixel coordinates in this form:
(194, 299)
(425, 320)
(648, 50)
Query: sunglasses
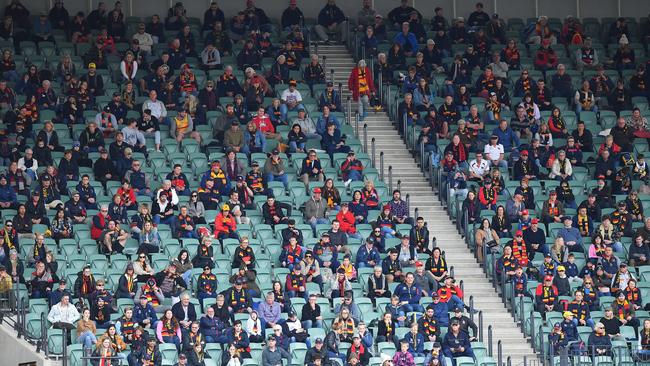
(194, 195)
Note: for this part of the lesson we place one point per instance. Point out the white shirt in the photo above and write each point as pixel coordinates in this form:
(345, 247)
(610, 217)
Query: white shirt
(64, 314)
(493, 152)
(480, 169)
(157, 108)
(289, 96)
(21, 165)
(144, 40)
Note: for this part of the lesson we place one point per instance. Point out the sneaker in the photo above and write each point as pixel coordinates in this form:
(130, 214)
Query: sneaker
(347, 182)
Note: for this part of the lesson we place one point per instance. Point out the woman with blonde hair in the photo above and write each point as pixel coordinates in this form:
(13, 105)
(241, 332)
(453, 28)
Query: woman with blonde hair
(559, 251)
(103, 354)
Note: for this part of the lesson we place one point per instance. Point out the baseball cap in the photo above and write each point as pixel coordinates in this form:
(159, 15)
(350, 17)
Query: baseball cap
(319, 340)
(534, 221)
(567, 314)
(524, 152)
(561, 268)
(519, 233)
(317, 190)
(92, 65)
(548, 278)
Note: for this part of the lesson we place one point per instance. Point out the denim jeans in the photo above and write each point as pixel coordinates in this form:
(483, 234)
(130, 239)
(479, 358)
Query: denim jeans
(307, 324)
(293, 146)
(284, 109)
(455, 302)
(355, 175)
(87, 338)
(314, 221)
(278, 178)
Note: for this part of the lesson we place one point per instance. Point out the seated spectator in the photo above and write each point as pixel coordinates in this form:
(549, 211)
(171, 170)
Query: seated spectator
(351, 168)
(456, 342)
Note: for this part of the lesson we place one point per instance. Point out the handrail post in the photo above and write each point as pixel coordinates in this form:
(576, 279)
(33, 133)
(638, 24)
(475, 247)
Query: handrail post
(349, 119)
(413, 138)
(471, 307)
(416, 213)
(356, 123)
(324, 61)
(408, 204)
(381, 165)
(499, 353)
(64, 356)
(480, 325)
(43, 340)
(399, 185)
(365, 138)
(405, 129)
(423, 167)
(508, 361)
(390, 178)
(332, 75)
(372, 151)
(380, 79)
(489, 335)
(532, 326)
(388, 96)
(542, 347)
(20, 324)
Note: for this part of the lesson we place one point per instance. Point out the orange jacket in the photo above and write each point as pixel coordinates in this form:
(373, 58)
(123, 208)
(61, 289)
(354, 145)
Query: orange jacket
(347, 222)
(224, 224)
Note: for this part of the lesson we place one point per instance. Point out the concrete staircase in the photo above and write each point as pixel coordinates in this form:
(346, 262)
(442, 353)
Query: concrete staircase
(423, 197)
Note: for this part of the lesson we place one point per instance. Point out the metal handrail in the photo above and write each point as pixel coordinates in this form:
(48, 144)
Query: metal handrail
(381, 165)
(365, 138)
(372, 155)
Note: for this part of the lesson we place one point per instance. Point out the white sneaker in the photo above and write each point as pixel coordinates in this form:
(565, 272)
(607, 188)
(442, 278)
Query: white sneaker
(347, 182)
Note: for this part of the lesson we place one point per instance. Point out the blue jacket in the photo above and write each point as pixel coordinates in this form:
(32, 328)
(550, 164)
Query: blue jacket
(571, 234)
(363, 256)
(7, 194)
(329, 143)
(416, 343)
(211, 327)
(410, 294)
(140, 313)
(507, 138)
(408, 42)
(86, 192)
(321, 124)
(418, 96)
(451, 341)
(570, 330)
(441, 313)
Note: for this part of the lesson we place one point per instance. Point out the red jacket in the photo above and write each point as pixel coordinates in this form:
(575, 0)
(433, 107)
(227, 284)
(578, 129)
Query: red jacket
(446, 293)
(223, 224)
(99, 224)
(483, 196)
(545, 57)
(264, 124)
(347, 222)
(353, 82)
